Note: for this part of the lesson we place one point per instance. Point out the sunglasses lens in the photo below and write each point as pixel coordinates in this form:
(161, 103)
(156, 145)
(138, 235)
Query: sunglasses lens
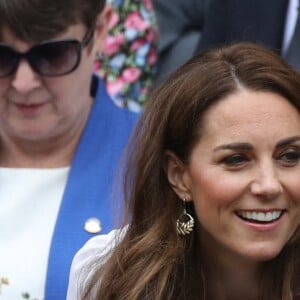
(8, 61)
(55, 58)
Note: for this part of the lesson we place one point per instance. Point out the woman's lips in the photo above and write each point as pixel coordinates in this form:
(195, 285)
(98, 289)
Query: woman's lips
(29, 109)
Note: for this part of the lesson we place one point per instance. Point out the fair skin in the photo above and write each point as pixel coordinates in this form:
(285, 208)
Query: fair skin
(243, 178)
(42, 118)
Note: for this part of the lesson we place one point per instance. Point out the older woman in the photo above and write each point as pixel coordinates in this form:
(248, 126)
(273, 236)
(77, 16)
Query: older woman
(212, 189)
(61, 137)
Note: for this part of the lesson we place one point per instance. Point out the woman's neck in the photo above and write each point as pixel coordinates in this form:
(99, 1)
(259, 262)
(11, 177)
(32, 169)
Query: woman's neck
(228, 276)
(235, 283)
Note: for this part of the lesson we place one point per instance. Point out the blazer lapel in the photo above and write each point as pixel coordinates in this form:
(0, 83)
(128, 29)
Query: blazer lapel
(87, 193)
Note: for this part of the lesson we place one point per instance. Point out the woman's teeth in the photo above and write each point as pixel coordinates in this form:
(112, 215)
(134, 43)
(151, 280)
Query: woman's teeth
(259, 216)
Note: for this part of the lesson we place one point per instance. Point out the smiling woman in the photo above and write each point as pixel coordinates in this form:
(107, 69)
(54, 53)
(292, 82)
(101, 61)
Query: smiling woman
(212, 189)
(253, 209)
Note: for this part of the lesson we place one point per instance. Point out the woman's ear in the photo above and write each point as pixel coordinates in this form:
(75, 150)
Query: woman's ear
(101, 28)
(177, 174)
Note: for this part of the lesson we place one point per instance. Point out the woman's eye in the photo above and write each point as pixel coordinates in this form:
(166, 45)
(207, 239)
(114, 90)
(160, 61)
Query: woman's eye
(290, 157)
(234, 160)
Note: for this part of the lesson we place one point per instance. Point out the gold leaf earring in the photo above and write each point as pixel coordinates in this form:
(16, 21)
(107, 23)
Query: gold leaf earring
(185, 222)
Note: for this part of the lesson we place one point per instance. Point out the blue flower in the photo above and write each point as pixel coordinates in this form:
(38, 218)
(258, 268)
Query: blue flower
(140, 61)
(117, 61)
(131, 34)
(116, 3)
(145, 13)
(144, 50)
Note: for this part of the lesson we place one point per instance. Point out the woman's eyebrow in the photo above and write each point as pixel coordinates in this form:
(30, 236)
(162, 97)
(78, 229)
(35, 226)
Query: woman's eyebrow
(288, 141)
(247, 146)
(234, 146)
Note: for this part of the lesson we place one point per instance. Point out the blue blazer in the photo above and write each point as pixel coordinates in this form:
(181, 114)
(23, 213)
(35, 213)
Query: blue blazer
(89, 186)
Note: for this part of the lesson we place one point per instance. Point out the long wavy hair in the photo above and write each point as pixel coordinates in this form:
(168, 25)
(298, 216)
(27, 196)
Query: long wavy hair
(151, 261)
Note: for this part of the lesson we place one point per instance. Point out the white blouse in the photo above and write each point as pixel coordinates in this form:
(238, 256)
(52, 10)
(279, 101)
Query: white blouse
(94, 249)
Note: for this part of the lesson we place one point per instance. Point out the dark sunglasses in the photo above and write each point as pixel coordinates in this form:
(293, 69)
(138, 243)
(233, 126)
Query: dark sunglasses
(50, 58)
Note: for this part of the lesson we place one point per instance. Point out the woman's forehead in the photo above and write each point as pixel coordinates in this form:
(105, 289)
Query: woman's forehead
(261, 113)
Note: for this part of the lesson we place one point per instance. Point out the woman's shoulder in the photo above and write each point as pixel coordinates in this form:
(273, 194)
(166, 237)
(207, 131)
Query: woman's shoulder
(95, 250)
(98, 245)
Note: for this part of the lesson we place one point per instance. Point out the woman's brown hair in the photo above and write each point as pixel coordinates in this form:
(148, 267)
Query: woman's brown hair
(151, 261)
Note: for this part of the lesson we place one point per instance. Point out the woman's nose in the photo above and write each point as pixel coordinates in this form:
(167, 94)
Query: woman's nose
(25, 79)
(266, 184)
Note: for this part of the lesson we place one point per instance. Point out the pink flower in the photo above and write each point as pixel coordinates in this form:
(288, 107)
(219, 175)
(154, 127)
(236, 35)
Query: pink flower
(131, 74)
(137, 44)
(152, 57)
(135, 21)
(113, 20)
(115, 86)
(144, 90)
(151, 35)
(97, 65)
(113, 43)
(148, 4)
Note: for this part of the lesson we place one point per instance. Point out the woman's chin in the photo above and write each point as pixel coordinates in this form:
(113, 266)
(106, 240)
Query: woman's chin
(263, 254)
